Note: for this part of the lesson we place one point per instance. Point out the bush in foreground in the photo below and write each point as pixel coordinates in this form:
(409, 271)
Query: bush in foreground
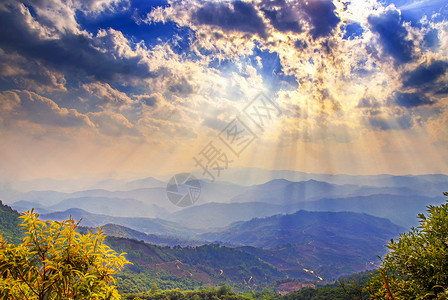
(416, 266)
(54, 261)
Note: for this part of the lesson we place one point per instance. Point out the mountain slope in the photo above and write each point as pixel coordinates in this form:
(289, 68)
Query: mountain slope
(401, 210)
(24, 205)
(329, 243)
(48, 198)
(119, 207)
(206, 264)
(146, 225)
(211, 215)
(304, 226)
(159, 240)
(284, 192)
(9, 224)
(427, 184)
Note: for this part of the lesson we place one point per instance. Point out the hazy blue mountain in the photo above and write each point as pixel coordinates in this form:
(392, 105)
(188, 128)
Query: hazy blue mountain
(23, 205)
(211, 215)
(401, 210)
(160, 240)
(42, 198)
(281, 191)
(277, 187)
(218, 191)
(146, 195)
(210, 192)
(124, 185)
(256, 176)
(329, 243)
(372, 190)
(46, 199)
(304, 226)
(148, 182)
(146, 225)
(427, 184)
(117, 207)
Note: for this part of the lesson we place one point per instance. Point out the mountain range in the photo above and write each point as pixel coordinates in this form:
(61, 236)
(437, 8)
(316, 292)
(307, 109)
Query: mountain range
(279, 196)
(146, 225)
(329, 243)
(303, 245)
(305, 226)
(155, 239)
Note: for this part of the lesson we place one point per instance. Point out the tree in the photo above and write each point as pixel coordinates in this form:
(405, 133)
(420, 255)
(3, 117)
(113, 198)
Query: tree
(54, 261)
(416, 266)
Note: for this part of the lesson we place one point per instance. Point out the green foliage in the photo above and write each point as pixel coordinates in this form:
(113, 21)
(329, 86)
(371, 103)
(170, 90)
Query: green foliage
(416, 266)
(346, 288)
(54, 261)
(9, 224)
(128, 281)
(222, 293)
(265, 294)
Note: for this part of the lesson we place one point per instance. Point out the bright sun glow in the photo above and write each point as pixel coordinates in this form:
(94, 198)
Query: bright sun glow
(124, 89)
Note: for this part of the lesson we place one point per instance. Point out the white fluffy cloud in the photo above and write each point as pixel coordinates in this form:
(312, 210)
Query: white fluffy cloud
(28, 106)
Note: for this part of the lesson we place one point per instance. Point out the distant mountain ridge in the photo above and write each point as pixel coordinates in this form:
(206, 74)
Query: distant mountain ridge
(213, 214)
(303, 226)
(159, 240)
(400, 209)
(147, 197)
(119, 207)
(284, 192)
(306, 245)
(429, 184)
(145, 225)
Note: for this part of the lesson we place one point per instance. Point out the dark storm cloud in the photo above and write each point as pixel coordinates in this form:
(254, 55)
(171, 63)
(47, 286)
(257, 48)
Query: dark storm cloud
(69, 53)
(442, 91)
(392, 35)
(301, 45)
(283, 18)
(181, 87)
(240, 16)
(410, 100)
(322, 17)
(425, 74)
(151, 100)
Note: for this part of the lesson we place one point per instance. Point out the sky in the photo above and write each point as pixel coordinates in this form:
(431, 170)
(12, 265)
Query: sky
(129, 88)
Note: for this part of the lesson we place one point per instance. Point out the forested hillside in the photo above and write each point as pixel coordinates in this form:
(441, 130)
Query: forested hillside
(313, 245)
(9, 224)
(189, 267)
